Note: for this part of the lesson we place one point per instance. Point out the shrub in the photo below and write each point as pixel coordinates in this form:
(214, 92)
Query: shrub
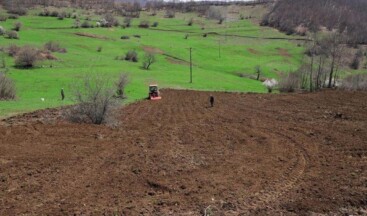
(137, 36)
(108, 21)
(86, 24)
(54, 14)
(7, 88)
(355, 82)
(217, 13)
(3, 18)
(144, 24)
(131, 56)
(17, 26)
(155, 24)
(170, 14)
(127, 22)
(95, 101)
(355, 63)
(2, 31)
(289, 82)
(205, 35)
(12, 35)
(61, 15)
(149, 59)
(54, 47)
(18, 11)
(121, 84)
(125, 37)
(99, 49)
(26, 57)
(44, 13)
(13, 16)
(357, 59)
(190, 22)
(13, 50)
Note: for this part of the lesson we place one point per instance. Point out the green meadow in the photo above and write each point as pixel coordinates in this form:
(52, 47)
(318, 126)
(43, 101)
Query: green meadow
(232, 48)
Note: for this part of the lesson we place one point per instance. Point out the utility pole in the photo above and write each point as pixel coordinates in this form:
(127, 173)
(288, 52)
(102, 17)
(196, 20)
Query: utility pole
(219, 43)
(190, 65)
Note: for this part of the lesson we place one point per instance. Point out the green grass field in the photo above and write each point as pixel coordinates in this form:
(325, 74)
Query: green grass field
(246, 46)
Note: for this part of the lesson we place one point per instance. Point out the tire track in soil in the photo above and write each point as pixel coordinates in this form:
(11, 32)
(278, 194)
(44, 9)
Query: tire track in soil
(268, 197)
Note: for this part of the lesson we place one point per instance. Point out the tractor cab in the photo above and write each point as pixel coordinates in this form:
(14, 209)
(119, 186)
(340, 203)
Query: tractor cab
(154, 92)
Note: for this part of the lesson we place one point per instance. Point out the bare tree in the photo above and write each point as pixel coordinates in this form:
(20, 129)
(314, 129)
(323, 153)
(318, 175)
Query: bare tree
(26, 57)
(95, 101)
(335, 49)
(7, 88)
(149, 59)
(121, 84)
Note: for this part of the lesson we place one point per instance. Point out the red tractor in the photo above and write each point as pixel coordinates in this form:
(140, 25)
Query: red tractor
(154, 92)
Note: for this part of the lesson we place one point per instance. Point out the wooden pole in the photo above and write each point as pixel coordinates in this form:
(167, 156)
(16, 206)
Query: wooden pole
(190, 65)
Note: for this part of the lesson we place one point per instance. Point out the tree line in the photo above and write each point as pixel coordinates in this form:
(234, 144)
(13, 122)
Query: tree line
(300, 16)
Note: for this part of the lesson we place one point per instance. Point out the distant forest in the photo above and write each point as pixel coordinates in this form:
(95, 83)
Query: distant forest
(300, 16)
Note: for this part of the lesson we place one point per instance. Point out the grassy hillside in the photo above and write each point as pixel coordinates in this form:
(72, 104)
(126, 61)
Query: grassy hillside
(246, 46)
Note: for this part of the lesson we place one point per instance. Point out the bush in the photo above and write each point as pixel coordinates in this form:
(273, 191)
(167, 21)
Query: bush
(44, 13)
(12, 35)
(355, 63)
(26, 57)
(121, 84)
(144, 24)
(155, 24)
(125, 37)
(3, 18)
(54, 47)
(289, 82)
(108, 21)
(54, 14)
(13, 16)
(7, 88)
(217, 13)
(137, 36)
(99, 49)
(86, 24)
(190, 22)
(355, 82)
(13, 50)
(18, 11)
(17, 26)
(170, 14)
(61, 16)
(2, 31)
(127, 22)
(95, 101)
(131, 56)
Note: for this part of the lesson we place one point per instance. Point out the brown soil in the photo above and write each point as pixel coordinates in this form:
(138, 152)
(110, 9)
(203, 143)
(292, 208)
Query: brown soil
(176, 61)
(253, 51)
(284, 52)
(252, 154)
(153, 50)
(91, 35)
(45, 55)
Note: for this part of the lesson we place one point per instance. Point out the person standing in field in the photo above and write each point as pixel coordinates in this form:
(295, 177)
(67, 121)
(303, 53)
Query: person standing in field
(62, 94)
(211, 99)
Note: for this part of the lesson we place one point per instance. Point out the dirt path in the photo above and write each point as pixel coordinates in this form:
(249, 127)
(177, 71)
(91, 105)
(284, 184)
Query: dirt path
(252, 154)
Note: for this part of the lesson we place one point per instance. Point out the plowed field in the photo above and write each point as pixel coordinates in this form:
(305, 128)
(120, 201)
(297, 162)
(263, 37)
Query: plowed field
(251, 154)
